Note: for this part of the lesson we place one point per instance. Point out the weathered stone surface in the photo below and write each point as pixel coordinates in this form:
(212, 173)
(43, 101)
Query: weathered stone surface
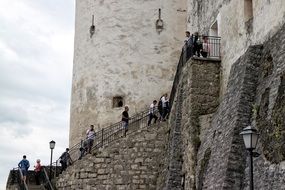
(237, 33)
(255, 95)
(132, 167)
(197, 94)
(268, 116)
(125, 57)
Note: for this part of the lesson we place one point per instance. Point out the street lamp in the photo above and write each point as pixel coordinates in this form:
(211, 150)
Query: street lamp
(250, 138)
(51, 146)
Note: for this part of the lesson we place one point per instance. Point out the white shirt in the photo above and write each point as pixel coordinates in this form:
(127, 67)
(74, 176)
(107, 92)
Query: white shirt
(90, 134)
(163, 100)
(151, 108)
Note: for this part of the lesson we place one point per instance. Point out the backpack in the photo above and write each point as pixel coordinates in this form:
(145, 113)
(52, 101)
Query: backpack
(63, 157)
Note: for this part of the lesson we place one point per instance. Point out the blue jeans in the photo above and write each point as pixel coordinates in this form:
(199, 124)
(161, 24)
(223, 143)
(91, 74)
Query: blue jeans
(125, 126)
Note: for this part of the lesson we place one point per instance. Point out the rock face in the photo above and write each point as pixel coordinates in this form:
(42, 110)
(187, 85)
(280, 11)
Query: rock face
(214, 156)
(197, 95)
(131, 163)
(125, 60)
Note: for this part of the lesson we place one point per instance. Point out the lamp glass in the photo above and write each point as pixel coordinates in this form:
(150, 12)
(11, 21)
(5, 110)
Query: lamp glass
(52, 144)
(247, 140)
(254, 139)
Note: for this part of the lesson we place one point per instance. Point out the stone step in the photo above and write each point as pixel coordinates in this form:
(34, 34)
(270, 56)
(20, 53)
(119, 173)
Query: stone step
(35, 187)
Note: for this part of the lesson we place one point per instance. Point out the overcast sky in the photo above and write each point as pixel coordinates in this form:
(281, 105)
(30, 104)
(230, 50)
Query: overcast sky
(36, 52)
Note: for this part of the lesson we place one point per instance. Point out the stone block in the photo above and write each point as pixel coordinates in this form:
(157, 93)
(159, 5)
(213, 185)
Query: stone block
(118, 181)
(102, 176)
(134, 166)
(118, 167)
(102, 171)
(98, 160)
(137, 160)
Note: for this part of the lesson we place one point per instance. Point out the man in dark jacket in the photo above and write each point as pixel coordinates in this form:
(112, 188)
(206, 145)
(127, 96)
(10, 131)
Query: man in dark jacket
(65, 159)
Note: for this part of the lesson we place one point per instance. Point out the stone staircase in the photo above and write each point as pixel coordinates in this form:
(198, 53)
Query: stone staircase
(35, 187)
(14, 181)
(31, 183)
(132, 162)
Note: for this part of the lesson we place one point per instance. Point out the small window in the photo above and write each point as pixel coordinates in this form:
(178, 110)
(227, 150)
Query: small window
(248, 10)
(118, 101)
(214, 29)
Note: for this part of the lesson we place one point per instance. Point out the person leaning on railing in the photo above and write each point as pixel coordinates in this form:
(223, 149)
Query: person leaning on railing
(38, 172)
(24, 165)
(205, 47)
(188, 45)
(197, 44)
(90, 133)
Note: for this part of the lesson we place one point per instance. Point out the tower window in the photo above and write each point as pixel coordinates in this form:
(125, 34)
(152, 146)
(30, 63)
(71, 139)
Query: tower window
(118, 101)
(248, 10)
(214, 29)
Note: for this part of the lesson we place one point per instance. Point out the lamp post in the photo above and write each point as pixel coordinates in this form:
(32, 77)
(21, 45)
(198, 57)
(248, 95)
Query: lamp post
(51, 146)
(250, 138)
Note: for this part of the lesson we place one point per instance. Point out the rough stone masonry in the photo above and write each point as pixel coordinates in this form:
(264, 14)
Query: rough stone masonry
(131, 163)
(217, 158)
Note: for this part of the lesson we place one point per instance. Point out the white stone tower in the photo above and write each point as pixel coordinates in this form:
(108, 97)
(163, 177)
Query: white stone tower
(124, 59)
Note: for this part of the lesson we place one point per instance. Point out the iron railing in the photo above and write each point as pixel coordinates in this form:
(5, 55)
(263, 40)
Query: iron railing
(182, 61)
(22, 184)
(202, 44)
(213, 44)
(114, 132)
(46, 181)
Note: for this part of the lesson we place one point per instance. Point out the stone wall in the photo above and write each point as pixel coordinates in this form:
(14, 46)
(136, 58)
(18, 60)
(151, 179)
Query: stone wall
(197, 94)
(227, 160)
(237, 33)
(131, 163)
(213, 152)
(125, 57)
(214, 156)
(269, 116)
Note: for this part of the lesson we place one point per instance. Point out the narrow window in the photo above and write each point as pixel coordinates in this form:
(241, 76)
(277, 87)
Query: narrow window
(248, 10)
(214, 29)
(118, 101)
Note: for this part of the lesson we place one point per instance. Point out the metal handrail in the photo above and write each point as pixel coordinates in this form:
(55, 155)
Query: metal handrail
(24, 185)
(109, 134)
(47, 181)
(212, 44)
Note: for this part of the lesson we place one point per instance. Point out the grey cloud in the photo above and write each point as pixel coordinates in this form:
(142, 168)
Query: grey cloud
(35, 80)
(13, 115)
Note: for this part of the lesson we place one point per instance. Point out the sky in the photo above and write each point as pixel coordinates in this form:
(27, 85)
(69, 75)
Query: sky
(36, 54)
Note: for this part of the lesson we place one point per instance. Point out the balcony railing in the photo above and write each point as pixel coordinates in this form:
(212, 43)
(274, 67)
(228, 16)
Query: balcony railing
(211, 44)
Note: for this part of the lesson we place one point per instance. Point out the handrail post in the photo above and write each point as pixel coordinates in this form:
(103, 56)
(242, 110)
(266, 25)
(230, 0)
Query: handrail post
(55, 173)
(102, 139)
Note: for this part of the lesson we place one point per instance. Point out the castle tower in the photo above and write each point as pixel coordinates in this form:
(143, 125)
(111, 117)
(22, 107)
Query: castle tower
(122, 56)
